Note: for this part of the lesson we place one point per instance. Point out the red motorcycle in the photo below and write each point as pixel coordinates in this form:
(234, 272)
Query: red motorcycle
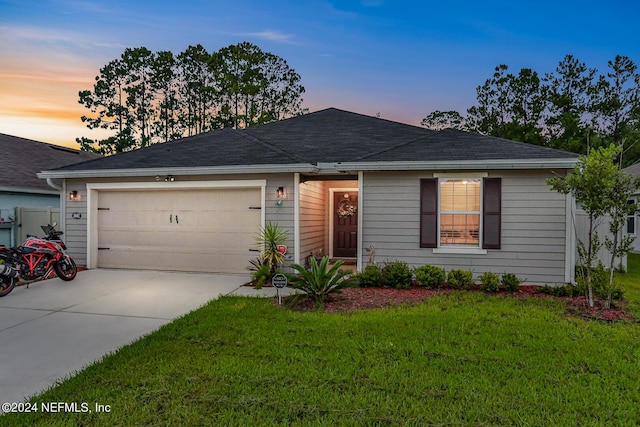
(35, 259)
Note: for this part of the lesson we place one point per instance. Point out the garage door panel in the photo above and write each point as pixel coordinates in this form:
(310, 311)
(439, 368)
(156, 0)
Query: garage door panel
(184, 230)
(217, 221)
(150, 258)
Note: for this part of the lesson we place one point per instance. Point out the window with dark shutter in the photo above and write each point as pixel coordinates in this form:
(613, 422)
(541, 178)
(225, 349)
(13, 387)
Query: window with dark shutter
(491, 213)
(429, 213)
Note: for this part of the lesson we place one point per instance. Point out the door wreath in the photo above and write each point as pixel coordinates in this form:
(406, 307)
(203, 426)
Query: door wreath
(345, 208)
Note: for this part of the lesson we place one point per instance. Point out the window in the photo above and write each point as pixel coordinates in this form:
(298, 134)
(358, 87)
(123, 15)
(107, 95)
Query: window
(460, 213)
(631, 219)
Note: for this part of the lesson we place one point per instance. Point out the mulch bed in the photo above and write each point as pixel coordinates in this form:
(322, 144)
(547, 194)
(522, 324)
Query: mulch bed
(352, 299)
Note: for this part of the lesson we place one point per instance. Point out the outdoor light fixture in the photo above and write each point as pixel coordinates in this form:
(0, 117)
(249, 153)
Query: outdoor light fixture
(281, 194)
(170, 178)
(74, 195)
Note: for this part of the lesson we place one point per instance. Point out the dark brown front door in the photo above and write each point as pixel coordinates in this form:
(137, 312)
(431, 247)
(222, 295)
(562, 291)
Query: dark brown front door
(345, 224)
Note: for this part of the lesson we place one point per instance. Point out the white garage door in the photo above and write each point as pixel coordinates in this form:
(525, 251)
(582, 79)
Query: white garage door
(212, 230)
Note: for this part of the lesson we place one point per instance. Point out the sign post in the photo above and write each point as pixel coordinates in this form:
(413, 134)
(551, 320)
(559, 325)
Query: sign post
(279, 281)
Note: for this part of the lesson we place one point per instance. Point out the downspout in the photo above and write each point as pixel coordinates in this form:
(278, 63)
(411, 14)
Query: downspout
(52, 184)
(63, 203)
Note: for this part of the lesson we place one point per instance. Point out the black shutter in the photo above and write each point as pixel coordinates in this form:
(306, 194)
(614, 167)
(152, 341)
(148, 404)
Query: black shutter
(491, 213)
(429, 213)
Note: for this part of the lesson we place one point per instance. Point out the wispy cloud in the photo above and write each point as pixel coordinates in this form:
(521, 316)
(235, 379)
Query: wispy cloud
(17, 33)
(271, 35)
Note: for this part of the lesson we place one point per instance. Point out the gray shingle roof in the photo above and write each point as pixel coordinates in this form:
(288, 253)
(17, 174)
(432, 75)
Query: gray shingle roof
(634, 169)
(21, 159)
(325, 136)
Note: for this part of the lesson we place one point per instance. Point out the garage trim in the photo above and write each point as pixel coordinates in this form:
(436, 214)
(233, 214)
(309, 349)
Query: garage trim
(93, 196)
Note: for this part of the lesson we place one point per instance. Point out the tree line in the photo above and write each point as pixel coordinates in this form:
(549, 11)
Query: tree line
(148, 97)
(573, 108)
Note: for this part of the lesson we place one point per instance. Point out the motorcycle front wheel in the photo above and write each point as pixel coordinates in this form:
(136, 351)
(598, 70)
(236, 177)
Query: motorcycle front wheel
(66, 270)
(6, 285)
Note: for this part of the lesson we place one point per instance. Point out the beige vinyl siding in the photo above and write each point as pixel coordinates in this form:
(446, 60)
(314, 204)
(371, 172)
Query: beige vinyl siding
(313, 218)
(533, 226)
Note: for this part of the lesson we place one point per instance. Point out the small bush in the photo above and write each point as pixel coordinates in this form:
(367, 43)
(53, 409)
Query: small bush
(599, 283)
(396, 274)
(371, 276)
(260, 272)
(430, 276)
(490, 282)
(511, 282)
(562, 291)
(460, 279)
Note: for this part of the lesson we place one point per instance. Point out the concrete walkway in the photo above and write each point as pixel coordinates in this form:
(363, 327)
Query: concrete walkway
(55, 328)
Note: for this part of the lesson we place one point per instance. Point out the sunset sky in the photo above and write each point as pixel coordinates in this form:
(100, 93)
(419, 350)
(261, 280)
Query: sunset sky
(402, 59)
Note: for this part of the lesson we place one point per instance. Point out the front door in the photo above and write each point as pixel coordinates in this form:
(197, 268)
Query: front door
(345, 224)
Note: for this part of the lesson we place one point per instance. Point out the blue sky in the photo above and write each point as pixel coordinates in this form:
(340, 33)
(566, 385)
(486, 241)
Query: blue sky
(402, 59)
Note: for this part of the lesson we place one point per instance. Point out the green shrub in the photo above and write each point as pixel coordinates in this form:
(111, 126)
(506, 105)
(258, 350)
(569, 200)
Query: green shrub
(490, 282)
(371, 276)
(511, 282)
(260, 272)
(562, 291)
(396, 274)
(430, 276)
(319, 281)
(460, 279)
(599, 283)
(261, 276)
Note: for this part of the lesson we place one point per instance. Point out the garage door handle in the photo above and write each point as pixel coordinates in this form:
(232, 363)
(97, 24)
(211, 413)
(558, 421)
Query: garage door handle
(177, 222)
(254, 250)
(170, 218)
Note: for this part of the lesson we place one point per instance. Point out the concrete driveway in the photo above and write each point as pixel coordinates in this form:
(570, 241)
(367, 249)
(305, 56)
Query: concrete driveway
(55, 328)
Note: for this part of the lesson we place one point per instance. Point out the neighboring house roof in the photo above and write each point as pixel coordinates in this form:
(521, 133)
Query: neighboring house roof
(327, 140)
(21, 159)
(634, 169)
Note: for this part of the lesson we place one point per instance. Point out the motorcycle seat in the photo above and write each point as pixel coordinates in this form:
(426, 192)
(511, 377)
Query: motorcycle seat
(25, 250)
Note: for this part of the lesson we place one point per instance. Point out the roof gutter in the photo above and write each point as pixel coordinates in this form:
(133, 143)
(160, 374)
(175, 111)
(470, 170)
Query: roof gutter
(53, 185)
(184, 171)
(28, 190)
(320, 168)
(454, 165)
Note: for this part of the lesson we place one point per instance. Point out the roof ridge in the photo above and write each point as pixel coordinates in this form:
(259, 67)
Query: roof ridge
(246, 135)
(402, 144)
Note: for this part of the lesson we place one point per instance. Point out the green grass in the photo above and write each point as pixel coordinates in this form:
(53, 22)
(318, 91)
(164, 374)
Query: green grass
(461, 359)
(630, 282)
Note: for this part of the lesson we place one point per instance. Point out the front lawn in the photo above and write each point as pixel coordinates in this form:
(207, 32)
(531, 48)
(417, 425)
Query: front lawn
(630, 282)
(458, 359)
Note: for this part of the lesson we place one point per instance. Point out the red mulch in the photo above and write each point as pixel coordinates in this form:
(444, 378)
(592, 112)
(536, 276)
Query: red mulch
(351, 299)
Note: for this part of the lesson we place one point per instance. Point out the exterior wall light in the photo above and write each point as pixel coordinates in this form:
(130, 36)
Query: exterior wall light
(170, 178)
(74, 195)
(281, 194)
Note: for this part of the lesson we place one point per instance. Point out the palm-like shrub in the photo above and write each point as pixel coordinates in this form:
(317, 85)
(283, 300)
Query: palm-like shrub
(260, 272)
(272, 236)
(319, 281)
